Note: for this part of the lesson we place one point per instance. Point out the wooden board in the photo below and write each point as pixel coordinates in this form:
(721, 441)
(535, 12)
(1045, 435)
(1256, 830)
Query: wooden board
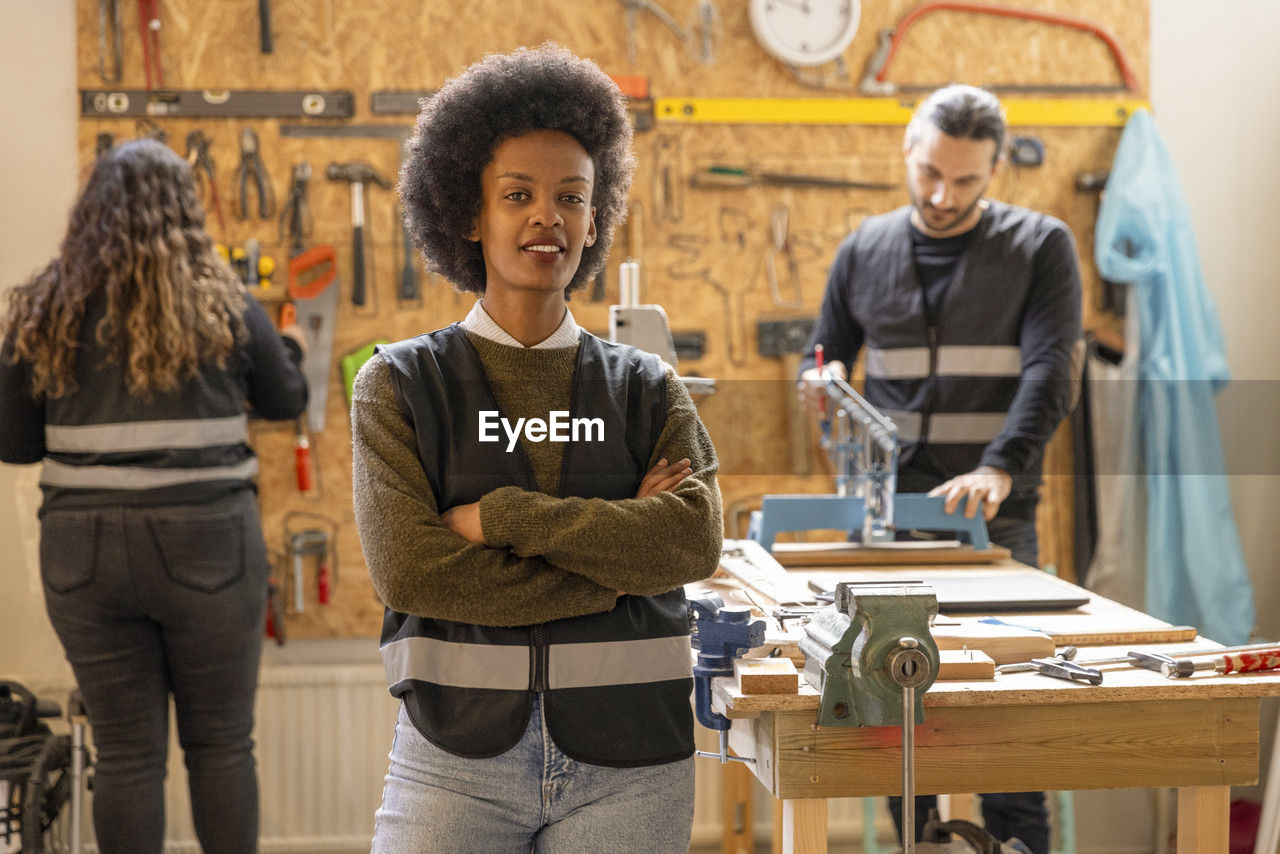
(961, 665)
(1081, 745)
(766, 675)
(855, 554)
(1003, 644)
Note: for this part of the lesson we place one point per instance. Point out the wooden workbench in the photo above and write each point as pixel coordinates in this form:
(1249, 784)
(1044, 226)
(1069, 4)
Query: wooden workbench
(1019, 732)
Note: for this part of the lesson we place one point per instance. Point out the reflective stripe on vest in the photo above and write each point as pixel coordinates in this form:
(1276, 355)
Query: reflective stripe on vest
(128, 436)
(901, 363)
(572, 665)
(138, 477)
(949, 427)
(586, 665)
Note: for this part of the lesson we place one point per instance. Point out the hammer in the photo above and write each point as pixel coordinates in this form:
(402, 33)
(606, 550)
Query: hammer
(358, 173)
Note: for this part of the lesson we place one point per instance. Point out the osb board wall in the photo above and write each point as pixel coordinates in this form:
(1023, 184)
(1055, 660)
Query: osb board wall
(703, 252)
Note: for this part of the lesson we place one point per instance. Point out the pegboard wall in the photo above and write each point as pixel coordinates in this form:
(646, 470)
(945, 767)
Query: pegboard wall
(710, 256)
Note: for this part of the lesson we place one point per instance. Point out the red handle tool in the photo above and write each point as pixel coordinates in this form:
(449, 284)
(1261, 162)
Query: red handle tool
(323, 581)
(302, 457)
(1252, 661)
(149, 28)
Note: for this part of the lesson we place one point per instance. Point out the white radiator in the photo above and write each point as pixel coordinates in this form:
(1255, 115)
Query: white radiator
(323, 734)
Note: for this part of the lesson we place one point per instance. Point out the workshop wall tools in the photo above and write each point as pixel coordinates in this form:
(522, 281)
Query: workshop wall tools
(736, 152)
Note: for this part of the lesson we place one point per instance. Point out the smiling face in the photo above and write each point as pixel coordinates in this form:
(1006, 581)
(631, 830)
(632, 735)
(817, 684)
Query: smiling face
(947, 177)
(535, 212)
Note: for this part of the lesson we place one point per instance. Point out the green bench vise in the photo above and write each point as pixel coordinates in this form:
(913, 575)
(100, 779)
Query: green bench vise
(862, 651)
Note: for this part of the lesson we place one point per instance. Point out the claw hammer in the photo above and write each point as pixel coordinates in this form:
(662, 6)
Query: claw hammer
(357, 173)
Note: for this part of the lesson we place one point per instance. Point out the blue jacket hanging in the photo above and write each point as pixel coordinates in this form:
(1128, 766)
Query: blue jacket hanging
(1195, 567)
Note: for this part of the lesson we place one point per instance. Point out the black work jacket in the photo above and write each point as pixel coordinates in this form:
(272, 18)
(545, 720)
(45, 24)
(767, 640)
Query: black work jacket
(104, 445)
(987, 382)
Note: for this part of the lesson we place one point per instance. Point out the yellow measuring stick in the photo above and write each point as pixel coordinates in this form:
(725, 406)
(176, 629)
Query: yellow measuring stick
(1020, 112)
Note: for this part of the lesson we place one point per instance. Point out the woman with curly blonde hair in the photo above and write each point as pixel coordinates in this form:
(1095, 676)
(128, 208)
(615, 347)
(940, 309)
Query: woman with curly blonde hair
(126, 368)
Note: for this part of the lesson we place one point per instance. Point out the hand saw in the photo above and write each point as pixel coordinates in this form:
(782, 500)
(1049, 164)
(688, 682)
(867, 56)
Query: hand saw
(312, 277)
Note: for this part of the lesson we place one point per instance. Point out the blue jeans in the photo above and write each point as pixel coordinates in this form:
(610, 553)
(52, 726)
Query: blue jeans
(154, 601)
(1005, 814)
(532, 798)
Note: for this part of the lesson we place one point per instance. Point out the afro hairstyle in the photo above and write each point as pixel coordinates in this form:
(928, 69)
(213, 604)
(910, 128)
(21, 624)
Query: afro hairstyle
(499, 97)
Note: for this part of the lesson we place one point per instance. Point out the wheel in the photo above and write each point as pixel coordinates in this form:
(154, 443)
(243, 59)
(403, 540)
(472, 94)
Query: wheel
(36, 800)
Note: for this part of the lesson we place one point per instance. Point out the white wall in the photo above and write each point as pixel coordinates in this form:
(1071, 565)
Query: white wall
(1214, 86)
(1215, 83)
(38, 181)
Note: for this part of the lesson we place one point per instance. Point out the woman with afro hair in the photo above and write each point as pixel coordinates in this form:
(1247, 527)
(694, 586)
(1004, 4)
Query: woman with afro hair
(126, 368)
(530, 498)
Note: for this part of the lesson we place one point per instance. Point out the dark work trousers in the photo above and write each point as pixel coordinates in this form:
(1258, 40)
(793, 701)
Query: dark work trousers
(1005, 814)
(157, 601)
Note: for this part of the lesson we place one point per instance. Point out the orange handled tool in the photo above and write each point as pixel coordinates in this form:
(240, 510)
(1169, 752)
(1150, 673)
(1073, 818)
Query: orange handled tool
(1236, 662)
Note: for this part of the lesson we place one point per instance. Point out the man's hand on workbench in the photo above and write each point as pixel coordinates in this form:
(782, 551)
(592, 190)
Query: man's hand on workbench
(810, 388)
(987, 484)
(465, 521)
(663, 477)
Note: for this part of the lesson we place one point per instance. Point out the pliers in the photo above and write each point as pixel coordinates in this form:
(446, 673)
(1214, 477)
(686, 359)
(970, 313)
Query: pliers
(251, 168)
(203, 167)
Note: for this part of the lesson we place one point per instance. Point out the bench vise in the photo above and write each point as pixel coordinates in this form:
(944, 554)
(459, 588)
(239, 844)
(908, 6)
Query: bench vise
(865, 648)
(720, 634)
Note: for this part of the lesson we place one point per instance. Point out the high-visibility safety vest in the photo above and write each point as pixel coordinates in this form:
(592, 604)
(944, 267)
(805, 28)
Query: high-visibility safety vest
(104, 444)
(949, 387)
(615, 686)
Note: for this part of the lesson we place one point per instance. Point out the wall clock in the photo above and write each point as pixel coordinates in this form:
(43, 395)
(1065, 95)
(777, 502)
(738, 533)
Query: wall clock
(805, 32)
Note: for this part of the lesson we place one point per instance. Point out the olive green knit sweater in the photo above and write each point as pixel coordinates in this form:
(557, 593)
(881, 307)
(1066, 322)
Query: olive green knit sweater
(543, 557)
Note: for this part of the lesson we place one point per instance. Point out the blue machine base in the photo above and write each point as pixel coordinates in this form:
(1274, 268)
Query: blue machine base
(779, 513)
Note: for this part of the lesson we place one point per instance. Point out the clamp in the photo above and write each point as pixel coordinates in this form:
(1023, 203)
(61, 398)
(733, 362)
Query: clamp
(1061, 668)
(719, 633)
(202, 166)
(251, 168)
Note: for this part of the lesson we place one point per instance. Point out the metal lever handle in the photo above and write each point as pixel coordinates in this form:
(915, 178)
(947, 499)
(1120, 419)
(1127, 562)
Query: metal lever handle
(908, 667)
